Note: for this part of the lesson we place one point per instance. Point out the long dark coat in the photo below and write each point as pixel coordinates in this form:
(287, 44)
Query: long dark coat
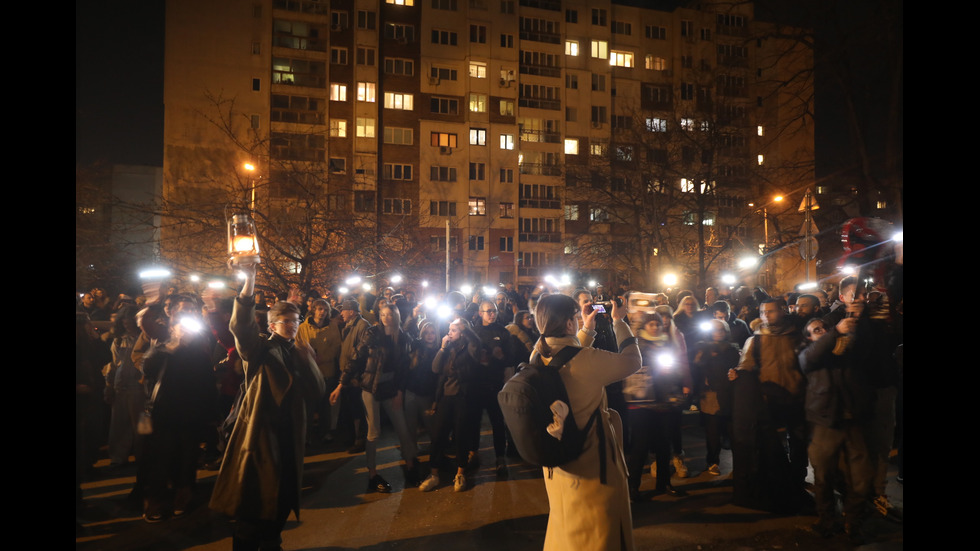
(248, 483)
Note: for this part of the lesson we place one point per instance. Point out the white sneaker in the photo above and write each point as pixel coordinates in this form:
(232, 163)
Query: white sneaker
(459, 483)
(679, 467)
(430, 483)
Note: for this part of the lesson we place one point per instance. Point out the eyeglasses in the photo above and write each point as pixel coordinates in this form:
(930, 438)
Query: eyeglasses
(288, 322)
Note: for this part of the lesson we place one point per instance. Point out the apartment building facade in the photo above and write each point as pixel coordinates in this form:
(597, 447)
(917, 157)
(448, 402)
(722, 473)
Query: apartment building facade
(538, 135)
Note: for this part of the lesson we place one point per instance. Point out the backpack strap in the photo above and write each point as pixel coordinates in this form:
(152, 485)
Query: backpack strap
(563, 356)
(560, 359)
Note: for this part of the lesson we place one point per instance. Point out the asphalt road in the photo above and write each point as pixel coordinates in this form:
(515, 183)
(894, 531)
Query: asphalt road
(493, 514)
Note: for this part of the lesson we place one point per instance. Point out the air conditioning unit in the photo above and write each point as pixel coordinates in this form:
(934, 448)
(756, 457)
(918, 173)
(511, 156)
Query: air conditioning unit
(596, 124)
(443, 150)
(434, 81)
(504, 83)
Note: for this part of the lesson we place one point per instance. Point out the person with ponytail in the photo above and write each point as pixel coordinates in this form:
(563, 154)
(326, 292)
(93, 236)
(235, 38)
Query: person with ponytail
(589, 504)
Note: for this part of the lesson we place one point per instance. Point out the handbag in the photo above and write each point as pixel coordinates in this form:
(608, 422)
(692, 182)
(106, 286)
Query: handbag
(145, 424)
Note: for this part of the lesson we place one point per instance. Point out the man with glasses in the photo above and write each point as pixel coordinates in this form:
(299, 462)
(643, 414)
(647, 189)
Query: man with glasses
(260, 477)
(496, 360)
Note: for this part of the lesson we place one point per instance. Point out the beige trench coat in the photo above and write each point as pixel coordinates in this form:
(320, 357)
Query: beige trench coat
(585, 514)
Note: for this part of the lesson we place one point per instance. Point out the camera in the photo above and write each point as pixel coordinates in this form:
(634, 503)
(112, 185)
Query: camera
(643, 302)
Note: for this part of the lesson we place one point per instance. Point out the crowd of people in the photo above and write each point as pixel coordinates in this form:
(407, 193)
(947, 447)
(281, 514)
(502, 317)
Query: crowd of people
(247, 381)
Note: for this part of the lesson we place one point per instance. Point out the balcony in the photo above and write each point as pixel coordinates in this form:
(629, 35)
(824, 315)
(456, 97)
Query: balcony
(540, 169)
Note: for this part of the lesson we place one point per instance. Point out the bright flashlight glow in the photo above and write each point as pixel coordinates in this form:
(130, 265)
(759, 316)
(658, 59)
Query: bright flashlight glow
(808, 285)
(670, 280)
(430, 302)
(343, 290)
(366, 286)
(396, 279)
(728, 279)
(488, 291)
(849, 270)
(748, 262)
(240, 275)
(216, 284)
(195, 278)
(353, 280)
(899, 236)
(444, 311)
(665, 359)
(591, 283)
(155, 273)
(706, 326)
(425, 283)
(190, 324)
(566, 279)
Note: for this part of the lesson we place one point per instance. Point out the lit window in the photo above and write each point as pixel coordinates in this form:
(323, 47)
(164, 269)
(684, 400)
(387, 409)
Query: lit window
(571, 212)
(761, 159)
(478, 136)
(507, 108)
(656, 125)
(597, 149)
(396, 100)
(478, 69)
(600, 49)
(506, 210)
(687, 123)
(401, 2)
(478, 206)
(705, 126)
(571, 147)
(655, 63)
(365, 127)
(442, 139)
(478, 103)
(621, 59)
(688, 186)
(338, 92)
(571, 47)
(759, 130)
(506, 141)
(338, 128)
(366, 91)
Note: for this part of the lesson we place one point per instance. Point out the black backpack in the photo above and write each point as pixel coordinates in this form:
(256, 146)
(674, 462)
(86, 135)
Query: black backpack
(525, 401)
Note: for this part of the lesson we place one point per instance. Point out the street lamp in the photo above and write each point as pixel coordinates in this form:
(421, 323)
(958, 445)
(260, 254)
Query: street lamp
(250, 168)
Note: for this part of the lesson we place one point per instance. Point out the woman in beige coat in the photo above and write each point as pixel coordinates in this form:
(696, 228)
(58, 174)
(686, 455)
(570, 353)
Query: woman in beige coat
(586, 514)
